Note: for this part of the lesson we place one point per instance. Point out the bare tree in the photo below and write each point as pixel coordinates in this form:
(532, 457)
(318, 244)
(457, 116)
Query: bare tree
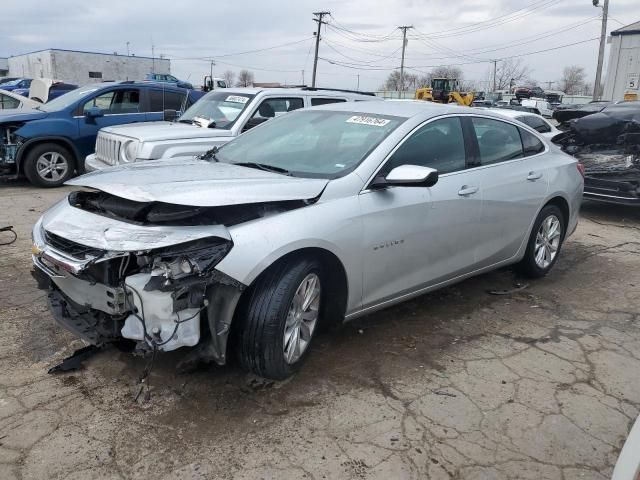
(509, 73)
(245, 78)
(229, 76)
(573, 80)
(393, 82)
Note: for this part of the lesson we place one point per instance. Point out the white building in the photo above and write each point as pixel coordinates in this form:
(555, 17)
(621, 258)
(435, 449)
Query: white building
(4, 67)
(623, 71)
(81, 68)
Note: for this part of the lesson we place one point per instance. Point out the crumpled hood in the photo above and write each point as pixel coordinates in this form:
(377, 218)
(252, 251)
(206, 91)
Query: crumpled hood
(161, 131)
(190, 181)
(20, 115)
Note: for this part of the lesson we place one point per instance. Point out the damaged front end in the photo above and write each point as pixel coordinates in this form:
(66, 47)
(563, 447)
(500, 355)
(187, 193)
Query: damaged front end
(607, 143)
(10, 143)
(151, 282)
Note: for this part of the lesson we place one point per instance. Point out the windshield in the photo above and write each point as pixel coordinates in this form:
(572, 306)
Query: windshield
(67, 99)
(12, 83)
(315, 144)
(223, 108)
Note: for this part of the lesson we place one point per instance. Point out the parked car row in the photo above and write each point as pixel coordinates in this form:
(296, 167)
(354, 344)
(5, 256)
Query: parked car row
(49, 143)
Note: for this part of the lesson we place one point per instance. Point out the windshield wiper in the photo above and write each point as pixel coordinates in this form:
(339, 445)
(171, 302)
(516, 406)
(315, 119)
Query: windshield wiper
(190, 122)
(265, 167)
(210, 155)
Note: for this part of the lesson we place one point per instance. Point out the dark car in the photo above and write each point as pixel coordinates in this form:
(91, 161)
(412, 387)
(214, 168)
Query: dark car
(49, 144)
(54, 91)
(166, 78)
(607, 143)
(15, 84)
(562, 115)
(7, 79)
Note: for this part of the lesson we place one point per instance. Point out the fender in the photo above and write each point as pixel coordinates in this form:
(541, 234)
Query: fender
(44, 139)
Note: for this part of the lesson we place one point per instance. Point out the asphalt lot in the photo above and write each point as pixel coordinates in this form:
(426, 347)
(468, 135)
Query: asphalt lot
(542, 383)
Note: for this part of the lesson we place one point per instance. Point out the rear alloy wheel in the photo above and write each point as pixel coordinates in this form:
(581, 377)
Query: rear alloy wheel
(280, 318)
(544, 243)
(48, 165)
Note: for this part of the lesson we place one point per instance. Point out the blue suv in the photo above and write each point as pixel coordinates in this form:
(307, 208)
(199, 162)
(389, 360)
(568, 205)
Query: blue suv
(49, 144)
(166, 78)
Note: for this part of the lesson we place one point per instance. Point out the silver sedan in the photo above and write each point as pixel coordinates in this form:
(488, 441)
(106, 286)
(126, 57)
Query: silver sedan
(319, 216)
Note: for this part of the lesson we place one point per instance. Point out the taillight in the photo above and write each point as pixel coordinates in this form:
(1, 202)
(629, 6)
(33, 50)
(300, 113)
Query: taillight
(580, 168)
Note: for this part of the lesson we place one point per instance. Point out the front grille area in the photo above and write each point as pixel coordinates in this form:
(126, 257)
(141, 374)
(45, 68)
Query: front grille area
(108, 149)
(69, 247)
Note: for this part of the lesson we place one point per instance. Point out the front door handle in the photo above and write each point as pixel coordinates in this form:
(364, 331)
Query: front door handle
(467, 190)
(533, 176)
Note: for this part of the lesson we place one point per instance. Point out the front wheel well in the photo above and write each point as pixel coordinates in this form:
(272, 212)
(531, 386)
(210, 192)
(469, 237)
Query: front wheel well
(56, 141)
(335, 278)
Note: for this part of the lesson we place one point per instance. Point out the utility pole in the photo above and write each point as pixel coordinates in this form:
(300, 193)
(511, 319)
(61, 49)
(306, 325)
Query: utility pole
(213, 63)
(153, 58)
(358, 85)
(495, 70)
(127, 49)
(319, 16)
(302, 76)
(404, 46)
(603, 37)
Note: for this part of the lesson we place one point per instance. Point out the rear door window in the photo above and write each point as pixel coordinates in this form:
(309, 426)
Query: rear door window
(537, 123)
(497, 141)
(8, 102)
(325, 101)
(530, 144)
(161, 100)
(274, 107)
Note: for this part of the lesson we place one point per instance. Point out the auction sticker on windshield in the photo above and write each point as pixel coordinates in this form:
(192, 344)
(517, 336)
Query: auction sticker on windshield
(236, 99)
(374, 121)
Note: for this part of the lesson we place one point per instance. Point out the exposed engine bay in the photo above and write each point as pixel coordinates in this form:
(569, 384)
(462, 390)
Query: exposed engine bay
(607, 143)
(9, 145)
(163, 298)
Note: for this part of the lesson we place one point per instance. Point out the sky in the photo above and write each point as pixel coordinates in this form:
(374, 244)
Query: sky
(359, 47)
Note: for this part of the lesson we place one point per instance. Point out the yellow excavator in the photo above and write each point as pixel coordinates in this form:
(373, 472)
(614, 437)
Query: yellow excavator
(445, 90)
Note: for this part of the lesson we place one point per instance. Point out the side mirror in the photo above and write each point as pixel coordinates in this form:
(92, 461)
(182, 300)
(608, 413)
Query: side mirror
(408, 176)
(170, 115)
(254, 122)
(93, 112)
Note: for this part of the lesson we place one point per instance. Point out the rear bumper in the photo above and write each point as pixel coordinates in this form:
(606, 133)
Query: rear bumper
(606, 198)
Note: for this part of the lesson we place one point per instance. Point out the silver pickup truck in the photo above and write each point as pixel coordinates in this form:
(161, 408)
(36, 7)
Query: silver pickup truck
(215, 119)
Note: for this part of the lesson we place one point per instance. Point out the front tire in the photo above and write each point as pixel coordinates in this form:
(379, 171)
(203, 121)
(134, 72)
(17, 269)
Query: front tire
(49, 165)
(280, 318)
(544, 243)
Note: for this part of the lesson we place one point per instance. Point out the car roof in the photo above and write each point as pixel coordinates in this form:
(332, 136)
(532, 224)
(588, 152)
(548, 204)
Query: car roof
(507, 112)
(402, 108)
(296, 91)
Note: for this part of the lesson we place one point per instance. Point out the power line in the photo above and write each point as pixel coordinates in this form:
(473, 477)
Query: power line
(417, 67)
(210, 57)
(495, 22)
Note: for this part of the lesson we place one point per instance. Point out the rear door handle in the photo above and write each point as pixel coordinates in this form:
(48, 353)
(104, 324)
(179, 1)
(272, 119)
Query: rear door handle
(534, 176)
(467, 190)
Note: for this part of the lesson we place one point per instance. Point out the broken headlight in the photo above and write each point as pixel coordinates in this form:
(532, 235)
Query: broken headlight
(193, 259)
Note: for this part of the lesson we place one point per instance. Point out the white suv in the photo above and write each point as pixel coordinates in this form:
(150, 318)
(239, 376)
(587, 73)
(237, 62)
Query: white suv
(215, 119)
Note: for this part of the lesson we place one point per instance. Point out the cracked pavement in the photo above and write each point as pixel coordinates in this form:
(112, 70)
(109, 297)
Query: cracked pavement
(540, 383)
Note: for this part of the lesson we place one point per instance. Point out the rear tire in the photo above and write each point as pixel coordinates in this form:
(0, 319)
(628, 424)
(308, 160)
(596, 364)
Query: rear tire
(49, 165)
(544, 243)
(274, 312)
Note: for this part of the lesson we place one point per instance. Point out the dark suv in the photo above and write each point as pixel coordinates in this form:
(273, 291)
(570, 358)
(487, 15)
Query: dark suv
(49, 144)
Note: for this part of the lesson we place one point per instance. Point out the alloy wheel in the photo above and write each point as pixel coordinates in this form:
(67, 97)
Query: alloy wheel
(301, 318)
(52, 166)
(547, 241)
